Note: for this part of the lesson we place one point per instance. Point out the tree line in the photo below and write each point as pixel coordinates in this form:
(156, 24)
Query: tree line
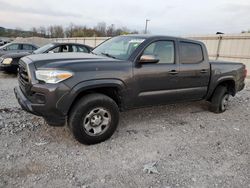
(58, 31)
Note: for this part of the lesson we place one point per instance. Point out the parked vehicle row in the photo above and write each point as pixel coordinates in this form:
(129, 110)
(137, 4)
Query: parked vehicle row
(17, 47)
(87, 91)
(13, 52)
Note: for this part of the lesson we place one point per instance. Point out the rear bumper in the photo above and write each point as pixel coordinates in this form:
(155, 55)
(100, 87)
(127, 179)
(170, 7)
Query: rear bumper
(241, 86)
(47, 110)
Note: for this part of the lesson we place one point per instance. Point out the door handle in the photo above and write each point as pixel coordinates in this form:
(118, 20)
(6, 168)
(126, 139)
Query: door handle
(203, 71)
(173, 72)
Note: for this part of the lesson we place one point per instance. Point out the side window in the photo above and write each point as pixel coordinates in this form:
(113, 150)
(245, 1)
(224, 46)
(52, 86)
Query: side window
(65, 48)
(74, 48)
(13, 47)
(163, 50)
(27, 47)
(190, 53)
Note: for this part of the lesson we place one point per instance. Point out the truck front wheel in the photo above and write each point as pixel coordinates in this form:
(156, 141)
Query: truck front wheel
(220, 99)
(94, 118)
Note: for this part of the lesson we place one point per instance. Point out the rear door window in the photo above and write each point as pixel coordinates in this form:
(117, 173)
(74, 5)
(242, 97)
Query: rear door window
(82, 49)
(190, 53)
(27, 47)
(78, 48)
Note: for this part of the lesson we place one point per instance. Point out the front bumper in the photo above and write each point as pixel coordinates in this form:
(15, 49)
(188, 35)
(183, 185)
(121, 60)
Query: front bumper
(48, 108)
(8, 67)
(5, 65)
(23, 101)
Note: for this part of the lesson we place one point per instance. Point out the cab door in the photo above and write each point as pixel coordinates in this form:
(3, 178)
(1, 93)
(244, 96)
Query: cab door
(157, 83)
(194, 72)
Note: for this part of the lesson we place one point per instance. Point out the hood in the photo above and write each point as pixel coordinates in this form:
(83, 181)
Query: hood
(54, 60)
(15, 55)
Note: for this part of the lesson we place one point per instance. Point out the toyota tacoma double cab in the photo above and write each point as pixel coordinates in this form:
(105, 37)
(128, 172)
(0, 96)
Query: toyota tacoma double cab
(87, 91)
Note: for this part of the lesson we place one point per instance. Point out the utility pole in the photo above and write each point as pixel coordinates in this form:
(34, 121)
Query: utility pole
(146, 26)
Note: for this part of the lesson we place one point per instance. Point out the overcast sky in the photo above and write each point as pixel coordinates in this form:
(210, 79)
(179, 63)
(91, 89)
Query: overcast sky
(170, 17)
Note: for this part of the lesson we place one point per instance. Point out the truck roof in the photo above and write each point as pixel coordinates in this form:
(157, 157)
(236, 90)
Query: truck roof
(148, 36)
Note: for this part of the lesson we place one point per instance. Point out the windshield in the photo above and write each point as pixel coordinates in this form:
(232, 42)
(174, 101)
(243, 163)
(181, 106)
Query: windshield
(5, 45)
(119, 47)
(43, 49)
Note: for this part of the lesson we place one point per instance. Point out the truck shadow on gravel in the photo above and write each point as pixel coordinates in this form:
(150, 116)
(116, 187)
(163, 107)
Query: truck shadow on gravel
(151, 114)
(132, 122)
(16, 120)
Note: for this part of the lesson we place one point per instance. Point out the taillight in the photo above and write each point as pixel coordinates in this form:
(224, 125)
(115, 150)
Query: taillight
(245, 73)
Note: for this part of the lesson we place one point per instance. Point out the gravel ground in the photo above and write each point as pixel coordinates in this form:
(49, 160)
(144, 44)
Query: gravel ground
(182, 145)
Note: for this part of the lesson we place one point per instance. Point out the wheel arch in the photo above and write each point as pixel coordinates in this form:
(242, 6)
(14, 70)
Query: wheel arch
(227, 82)
(111, 87)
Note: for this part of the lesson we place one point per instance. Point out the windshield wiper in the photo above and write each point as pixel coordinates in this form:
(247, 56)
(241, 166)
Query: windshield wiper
(108, 55)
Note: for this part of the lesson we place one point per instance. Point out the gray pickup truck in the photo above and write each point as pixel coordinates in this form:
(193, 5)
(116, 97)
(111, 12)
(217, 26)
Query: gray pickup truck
(87, 91)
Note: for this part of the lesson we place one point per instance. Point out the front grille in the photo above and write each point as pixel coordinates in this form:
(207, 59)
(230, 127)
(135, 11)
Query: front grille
(23, 76)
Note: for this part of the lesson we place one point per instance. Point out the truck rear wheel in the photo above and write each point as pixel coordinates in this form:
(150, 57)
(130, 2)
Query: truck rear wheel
(94, 119)
(220, 99)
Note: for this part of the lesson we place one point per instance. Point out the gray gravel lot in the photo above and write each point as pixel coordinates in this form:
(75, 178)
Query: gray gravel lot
(191, 147)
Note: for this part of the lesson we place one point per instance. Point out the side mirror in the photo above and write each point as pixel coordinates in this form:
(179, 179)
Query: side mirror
(4, 49)
(148, 59)
(51, 52)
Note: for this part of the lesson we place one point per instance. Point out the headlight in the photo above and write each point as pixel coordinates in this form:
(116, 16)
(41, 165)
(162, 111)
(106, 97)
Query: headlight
(53, 76)
(7, 61)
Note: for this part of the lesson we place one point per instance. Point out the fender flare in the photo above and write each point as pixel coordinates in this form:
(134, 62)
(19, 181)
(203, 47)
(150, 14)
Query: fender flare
(217, 83)
(65, 103)
(92, 84)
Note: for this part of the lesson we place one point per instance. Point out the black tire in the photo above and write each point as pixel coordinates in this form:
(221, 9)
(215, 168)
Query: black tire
(81, 111)
(217, 101)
